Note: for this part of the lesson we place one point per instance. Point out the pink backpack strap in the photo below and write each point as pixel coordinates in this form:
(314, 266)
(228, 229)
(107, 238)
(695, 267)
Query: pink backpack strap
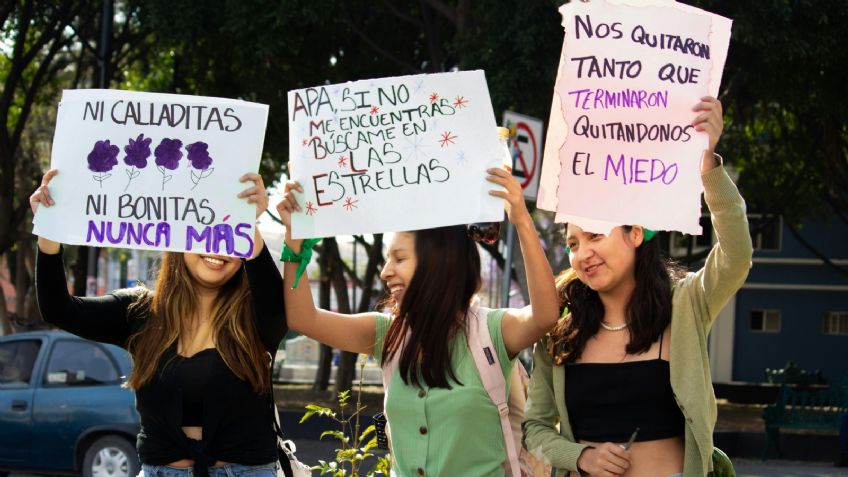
(486, 358)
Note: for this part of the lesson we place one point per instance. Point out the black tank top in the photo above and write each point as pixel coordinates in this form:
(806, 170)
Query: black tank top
(194, 375)
(607, 401)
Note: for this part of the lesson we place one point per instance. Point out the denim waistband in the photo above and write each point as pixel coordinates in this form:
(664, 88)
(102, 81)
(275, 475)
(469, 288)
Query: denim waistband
(229, 470)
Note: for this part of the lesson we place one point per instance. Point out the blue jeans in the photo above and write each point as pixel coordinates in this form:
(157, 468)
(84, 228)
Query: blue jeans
(229, 470)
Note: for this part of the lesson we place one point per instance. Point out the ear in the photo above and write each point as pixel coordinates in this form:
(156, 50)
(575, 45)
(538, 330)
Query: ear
(637, 235)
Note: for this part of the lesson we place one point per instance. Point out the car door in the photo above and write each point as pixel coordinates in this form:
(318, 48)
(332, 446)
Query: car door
(17, 382)
(78, 392)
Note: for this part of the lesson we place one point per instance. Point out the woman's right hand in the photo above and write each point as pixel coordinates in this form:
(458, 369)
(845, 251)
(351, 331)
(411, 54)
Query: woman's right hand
(42, 194)
(288, 205)
(605, 460)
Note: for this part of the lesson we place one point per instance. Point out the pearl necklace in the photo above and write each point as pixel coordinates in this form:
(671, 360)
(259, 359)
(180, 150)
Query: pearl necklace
(613, 328)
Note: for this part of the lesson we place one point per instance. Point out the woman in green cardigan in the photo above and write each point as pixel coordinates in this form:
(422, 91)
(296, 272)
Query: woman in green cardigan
(631, 349)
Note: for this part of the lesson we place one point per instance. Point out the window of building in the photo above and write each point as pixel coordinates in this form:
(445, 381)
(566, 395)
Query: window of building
(766, 231)
(765, 321)
(836, 323)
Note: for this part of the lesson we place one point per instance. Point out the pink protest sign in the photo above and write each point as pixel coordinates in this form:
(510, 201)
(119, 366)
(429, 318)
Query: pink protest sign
(621, 149)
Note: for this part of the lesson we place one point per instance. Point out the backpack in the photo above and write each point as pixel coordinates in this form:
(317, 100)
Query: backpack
(519, 463)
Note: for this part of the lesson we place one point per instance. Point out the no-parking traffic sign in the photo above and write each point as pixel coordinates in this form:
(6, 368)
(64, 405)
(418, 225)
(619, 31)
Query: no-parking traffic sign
(526, 148)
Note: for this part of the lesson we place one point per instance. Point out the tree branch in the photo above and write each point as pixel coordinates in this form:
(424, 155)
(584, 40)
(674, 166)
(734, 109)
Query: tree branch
(32, 90)
(445, 10)
(394, 11)
(6, 11)
(15, 71)
(388, 55)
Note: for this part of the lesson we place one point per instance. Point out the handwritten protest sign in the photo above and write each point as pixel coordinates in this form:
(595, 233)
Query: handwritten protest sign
(391, 154)
(620, 147)
(153, 171)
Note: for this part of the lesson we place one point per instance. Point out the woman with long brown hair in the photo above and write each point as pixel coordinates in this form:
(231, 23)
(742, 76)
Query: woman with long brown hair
(199, 343)
(442, 421)
(625, 372)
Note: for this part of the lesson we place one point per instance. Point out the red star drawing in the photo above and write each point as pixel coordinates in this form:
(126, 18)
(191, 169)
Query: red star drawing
(310, 209)
(374, 110)
(460, 102)
(447, 138)
(342, 161)
(305, 142)
(350, 204)
(433, 97)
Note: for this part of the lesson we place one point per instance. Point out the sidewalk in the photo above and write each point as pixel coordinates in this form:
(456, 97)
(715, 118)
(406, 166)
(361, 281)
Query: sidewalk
(309, 452)
(787, 468)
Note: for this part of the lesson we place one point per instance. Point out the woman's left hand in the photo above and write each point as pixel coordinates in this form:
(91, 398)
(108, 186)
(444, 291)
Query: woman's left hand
(710, 120)
(516, 208)
(256, 194)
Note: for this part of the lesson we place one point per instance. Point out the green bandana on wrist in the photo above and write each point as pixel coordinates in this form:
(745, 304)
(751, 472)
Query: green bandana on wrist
(304, 257)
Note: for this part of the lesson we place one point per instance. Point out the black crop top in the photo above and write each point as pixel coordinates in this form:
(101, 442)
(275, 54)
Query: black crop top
(193, 373)
(607, 401)
(237, 422)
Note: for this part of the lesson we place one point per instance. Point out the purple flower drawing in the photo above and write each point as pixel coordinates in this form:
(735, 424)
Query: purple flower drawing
(168, 154)
(102, 158)
(199, 160)
(137, 151)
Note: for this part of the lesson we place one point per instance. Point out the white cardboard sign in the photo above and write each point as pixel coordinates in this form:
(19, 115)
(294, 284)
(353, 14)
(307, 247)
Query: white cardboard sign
(153, 171)
(620, 147)
(393, 154)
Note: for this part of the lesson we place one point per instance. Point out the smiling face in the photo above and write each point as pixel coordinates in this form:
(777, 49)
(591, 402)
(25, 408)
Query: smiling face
(605, 263)
(400, 264)
(211, 271)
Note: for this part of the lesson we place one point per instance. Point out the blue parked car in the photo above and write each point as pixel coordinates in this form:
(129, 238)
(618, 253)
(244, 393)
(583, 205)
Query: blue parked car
(62, 407)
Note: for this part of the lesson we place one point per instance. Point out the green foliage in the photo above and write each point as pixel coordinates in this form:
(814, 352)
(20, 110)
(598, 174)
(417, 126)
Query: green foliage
(356, 445)
(786, 112)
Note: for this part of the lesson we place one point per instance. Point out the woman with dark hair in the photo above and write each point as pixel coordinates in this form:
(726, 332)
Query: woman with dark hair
(630, 351)
(199, 342)
(442, 421)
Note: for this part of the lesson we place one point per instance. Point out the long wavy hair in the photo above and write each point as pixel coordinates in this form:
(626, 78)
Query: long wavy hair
(169, 309)
(434, 305)
(648, 311)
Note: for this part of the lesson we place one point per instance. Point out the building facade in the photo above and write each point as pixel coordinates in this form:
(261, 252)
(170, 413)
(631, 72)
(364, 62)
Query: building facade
(792, 307)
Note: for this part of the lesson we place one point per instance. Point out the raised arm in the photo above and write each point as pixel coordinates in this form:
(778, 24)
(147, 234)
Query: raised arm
(728, 263)
(521, 328)
(262, 274)
(355, 333)
(98, 318)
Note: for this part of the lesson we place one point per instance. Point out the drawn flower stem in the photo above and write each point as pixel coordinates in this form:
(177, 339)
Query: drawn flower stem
(165, 176)
(195, 178)
(131, 174)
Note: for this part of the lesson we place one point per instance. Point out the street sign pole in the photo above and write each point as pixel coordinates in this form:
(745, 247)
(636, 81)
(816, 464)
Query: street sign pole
(507, 273)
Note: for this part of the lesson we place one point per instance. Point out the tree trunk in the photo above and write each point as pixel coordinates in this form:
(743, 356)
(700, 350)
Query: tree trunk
(325, 365)
(30, 309)
(5, 322)
(330, 249)
(21, 282)
(325, 362)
